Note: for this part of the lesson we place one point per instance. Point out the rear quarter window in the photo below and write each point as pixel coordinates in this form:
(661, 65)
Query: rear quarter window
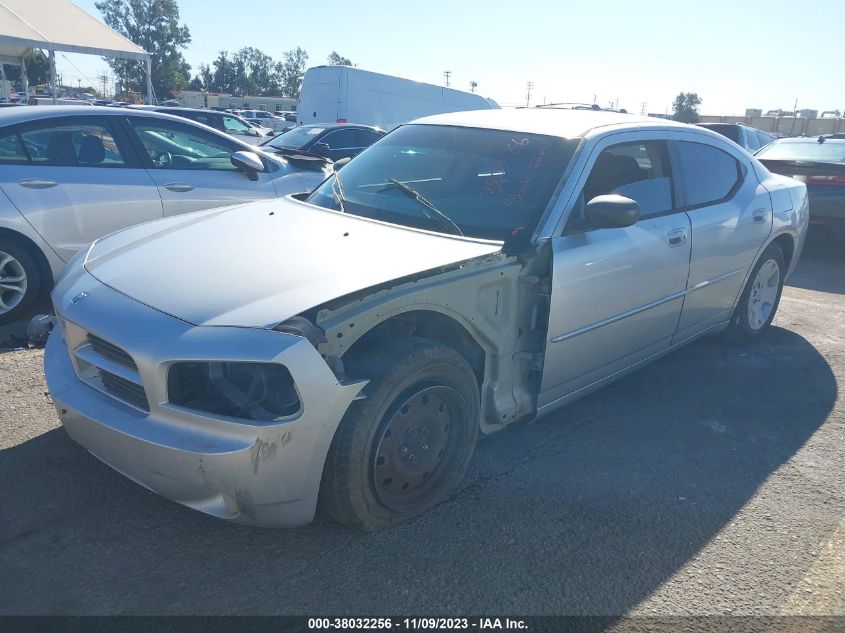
(708, 174)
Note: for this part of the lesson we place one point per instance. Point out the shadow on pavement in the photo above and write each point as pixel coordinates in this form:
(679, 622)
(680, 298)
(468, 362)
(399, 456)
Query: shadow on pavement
(587, 511)
(821, 267)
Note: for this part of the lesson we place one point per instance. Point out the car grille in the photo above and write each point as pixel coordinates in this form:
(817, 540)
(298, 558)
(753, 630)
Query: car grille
(106, 367)
(110, 351)
(125, 390)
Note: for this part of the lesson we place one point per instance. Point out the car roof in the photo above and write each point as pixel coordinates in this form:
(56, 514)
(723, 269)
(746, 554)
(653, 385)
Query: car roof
(547, 121)
(810, 139)
(9, 116)
(338, 126)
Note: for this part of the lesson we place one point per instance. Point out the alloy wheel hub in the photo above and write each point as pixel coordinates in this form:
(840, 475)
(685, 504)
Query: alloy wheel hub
(12, 282)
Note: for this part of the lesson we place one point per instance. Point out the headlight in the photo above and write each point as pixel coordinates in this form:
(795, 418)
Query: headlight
(250, 391)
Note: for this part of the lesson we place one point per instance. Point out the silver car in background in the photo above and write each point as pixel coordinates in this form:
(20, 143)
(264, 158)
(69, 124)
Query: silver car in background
(69, 175)
(465, 272)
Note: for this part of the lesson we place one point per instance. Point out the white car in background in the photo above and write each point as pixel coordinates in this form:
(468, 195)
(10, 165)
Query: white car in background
(70, 175)
(268, 120)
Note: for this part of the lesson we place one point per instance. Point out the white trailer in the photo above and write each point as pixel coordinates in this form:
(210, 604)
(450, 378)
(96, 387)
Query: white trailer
(342, 94)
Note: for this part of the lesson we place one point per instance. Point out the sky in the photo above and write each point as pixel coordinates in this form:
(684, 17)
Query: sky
(735, 54)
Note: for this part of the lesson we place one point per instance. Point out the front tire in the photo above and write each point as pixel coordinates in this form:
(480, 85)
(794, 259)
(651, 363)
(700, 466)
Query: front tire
(21, 281)
(760, 297)
(406, 446)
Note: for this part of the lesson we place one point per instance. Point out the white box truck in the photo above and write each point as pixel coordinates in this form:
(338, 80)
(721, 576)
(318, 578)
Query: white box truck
(342, 94)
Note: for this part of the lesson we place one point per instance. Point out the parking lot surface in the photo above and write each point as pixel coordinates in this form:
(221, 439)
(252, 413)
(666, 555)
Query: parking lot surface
(711, 482)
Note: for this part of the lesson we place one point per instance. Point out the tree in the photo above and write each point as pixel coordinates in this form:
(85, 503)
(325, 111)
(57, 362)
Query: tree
(154, 26)
(222, 79)
(336, 60)
(291, 70)
(685, 107)
(37, 69)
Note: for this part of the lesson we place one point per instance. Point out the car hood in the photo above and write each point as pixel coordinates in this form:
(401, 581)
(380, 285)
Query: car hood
(258, 264)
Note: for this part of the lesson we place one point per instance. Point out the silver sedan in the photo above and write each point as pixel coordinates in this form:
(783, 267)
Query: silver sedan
(465, 272)
(69, 175)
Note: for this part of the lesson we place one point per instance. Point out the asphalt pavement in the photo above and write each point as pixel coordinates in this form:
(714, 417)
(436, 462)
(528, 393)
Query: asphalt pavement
(711, 482)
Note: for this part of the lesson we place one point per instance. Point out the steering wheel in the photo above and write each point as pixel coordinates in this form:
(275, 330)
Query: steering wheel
(163, 159)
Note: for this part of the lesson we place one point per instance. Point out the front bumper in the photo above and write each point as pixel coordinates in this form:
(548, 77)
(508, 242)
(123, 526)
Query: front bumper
(258, 474)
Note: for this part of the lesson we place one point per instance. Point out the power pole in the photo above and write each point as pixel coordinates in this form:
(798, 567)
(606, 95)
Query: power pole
(447, 75)
(529, 85)
(644, 108)
(473, 85)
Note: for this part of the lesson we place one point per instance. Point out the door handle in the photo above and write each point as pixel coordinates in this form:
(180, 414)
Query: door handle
(760, 215)
(178, 186)
(37, 183)
(676, 237)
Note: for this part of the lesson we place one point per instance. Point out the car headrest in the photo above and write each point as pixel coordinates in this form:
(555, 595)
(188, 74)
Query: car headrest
(91, 150)
(60, 149)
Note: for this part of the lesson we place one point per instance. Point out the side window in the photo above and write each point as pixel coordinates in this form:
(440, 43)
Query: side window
(366, 138)
(171, 145)
(764, 138)
(234, 126)
(82, 143)
(709, 175)
(341, 139)
(12, 151)
(640, 171)
(753, 144)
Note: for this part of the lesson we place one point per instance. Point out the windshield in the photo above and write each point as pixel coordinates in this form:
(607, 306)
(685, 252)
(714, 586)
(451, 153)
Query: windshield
(492, 184)
(809, 150)
(297, 137)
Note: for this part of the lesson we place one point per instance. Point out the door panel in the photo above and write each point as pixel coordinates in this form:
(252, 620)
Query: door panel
(192, 167)
(726, 237)
(72, 184)
(183, 191)
(616, 299)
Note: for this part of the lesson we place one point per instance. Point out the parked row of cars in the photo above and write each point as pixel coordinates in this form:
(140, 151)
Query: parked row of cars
(346, 345)
(817, 161)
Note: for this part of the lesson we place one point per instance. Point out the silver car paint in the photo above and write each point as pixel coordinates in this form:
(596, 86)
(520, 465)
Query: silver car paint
(270, 271)
(494, 299)
(77, 205)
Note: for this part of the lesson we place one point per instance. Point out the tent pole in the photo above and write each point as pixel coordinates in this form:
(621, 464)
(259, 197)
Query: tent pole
(149, 70)
(53, 74)
(24, 78)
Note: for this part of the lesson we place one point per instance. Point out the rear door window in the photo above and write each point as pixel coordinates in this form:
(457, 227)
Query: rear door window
(78, 142)
(708, 174)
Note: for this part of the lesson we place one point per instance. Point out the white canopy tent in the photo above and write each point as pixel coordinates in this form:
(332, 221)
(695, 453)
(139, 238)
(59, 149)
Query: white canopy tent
(60, 25)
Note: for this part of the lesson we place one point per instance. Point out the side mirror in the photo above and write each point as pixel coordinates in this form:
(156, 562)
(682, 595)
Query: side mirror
(253, 132)
(321, 149)
(338, 164)
(247, 162)
(611, 212)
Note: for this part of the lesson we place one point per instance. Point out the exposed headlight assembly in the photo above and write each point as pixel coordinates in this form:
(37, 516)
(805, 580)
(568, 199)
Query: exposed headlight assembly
(249, 391)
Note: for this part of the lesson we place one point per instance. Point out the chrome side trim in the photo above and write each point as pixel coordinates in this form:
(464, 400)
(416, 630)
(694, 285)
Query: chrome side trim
(648, 306)
(594, 326)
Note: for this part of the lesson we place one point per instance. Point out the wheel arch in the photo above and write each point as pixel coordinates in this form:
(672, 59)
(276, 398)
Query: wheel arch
(37, 252)
(429, 322)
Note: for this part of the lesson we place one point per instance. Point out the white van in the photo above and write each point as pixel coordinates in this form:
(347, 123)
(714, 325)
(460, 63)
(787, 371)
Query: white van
(341, 94)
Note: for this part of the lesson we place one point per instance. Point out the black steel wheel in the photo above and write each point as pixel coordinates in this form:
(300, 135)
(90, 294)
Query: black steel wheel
(406, 446)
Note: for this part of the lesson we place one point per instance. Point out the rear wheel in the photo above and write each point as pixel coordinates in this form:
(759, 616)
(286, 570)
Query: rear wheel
(406, 446)
(760, 297)
(21, 281)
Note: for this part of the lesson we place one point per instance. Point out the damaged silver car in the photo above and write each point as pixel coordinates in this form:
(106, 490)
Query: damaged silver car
(467, 271)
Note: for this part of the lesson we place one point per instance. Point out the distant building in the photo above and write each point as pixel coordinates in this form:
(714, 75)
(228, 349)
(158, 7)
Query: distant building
(200, 99)
(753, 111)
(807, 113)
